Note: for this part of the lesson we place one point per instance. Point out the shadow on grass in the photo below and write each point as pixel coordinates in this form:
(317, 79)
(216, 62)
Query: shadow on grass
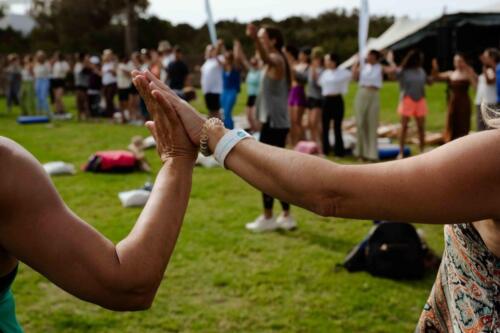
(327, 242)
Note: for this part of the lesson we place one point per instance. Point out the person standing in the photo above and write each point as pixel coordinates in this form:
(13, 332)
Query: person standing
(459, 103)
(314, 96)
(124, 83)
(231, 82)
(82, 71)
(272, 113)
(42, 83)
(60, 70)
(299, 61)
(28, 106)
(167, 56)
(211, 79)
(109, 82)
(486, 86)
(134, 98)
(253, 79)
(95, 87)
(177, 73)
(367, 106)
(334, 83)
(412, 80)
(14, 81)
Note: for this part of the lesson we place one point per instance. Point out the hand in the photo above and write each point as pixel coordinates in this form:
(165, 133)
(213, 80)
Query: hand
(251, 31)
(172, 141)
(190, 118)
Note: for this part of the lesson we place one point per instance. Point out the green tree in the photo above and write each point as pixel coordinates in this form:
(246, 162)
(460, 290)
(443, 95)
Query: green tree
(73, 26)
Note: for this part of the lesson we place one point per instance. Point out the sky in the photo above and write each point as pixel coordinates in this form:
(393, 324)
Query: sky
(193, 11)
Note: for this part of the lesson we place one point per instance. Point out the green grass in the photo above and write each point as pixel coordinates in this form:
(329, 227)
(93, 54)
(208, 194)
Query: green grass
(221, 278)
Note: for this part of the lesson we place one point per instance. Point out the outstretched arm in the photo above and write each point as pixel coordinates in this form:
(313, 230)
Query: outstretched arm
(37, 228)
(452, 184)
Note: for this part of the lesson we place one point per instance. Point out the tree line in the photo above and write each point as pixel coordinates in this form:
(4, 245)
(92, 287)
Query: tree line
(85, 25)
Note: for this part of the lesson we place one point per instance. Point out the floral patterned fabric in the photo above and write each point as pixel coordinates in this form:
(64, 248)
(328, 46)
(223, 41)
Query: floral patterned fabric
(466, 295)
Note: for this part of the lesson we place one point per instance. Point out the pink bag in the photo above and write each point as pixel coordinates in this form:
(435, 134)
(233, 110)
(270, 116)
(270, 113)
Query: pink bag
(307, 147)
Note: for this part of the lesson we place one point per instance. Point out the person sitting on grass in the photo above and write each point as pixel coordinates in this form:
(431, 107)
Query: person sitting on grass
(38, 229)
(456, 185)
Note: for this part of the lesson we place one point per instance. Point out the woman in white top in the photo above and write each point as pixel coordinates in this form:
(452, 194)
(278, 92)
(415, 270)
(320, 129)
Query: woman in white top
(211, 78)
(334, 83)
(42, 82)
(486, 90)
(124, 82)
(109, 81)
(367, 106)
(60, 70)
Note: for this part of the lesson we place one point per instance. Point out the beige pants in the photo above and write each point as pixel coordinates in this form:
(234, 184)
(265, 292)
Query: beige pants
(367, 106)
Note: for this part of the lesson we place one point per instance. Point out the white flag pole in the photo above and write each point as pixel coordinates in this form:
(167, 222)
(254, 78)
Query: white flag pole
(364, 25)
(210, 23)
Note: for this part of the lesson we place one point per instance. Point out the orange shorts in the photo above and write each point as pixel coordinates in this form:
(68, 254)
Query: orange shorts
(409, 108)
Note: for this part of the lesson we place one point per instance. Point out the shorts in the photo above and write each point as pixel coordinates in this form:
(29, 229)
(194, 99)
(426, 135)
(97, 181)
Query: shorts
(314, 103)
(297, 97)
(251, 101)
(57, 83)
(212, 102)
(123, 94)
(410, 108)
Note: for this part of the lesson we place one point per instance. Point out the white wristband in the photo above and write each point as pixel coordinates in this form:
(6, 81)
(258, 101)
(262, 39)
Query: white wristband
(227, 143)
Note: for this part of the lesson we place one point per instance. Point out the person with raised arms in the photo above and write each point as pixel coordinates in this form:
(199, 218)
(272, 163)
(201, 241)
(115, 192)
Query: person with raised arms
(38, 229)
(272, 114)
(456, 185)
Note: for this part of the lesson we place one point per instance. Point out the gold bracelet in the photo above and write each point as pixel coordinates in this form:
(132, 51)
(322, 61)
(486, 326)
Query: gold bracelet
(208, 125)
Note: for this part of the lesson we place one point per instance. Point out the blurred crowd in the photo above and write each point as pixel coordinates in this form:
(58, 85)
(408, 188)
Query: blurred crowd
(38, 83)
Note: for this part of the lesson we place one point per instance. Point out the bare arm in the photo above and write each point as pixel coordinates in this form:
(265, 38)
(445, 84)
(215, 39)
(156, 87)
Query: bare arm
(436, 74)
(39, 229)
(453, 184)
(240, 56)
(267, 58)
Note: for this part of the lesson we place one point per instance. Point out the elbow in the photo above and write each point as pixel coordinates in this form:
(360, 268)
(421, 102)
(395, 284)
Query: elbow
(130, 301)
(129, 295)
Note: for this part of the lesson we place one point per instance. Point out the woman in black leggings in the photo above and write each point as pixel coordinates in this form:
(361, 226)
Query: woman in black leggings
(272, 113)
(334, 83)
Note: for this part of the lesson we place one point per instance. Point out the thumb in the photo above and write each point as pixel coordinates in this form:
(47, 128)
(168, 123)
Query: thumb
(150, 125)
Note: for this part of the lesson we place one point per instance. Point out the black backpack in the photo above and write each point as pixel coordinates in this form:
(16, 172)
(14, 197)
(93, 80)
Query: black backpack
(392, 250)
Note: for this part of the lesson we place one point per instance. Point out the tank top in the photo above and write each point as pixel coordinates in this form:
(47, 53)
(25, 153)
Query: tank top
(8, 321)
(466, 294)
(253, 82)
(231, 80)
(272, 102)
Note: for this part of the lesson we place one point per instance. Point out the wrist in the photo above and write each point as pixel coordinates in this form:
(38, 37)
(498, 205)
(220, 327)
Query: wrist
(215, 134)
(179, 163)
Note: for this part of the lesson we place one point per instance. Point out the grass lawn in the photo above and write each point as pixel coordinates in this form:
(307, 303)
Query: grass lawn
(221, 278)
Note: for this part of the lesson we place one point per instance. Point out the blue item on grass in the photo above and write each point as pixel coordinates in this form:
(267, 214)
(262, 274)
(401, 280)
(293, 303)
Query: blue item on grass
(391, 151)
(25, 120)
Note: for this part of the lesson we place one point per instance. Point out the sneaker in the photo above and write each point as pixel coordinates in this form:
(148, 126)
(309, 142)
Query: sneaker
(261, 224)
(286, 223)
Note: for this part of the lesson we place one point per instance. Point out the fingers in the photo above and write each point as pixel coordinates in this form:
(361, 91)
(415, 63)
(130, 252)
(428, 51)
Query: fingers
(169, 110)
(152, 78)
(142, 86)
